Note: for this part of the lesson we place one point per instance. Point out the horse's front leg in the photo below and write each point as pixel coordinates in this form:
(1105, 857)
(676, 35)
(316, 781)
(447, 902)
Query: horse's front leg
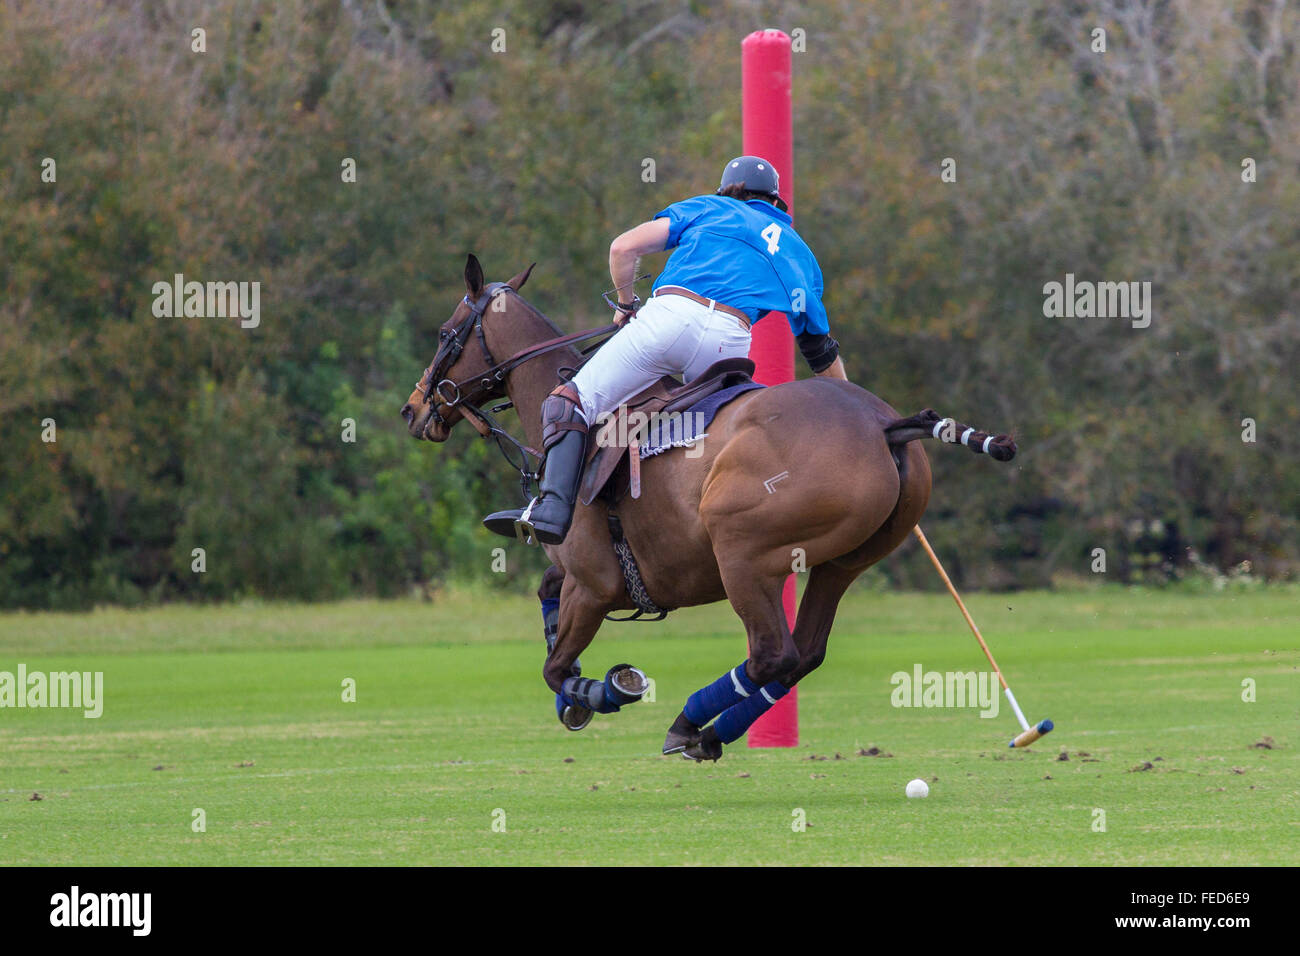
(549, 594)
(577, 698)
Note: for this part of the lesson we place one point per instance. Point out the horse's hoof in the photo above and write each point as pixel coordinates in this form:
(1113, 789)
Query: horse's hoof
(706, 746)
(628, 681)
(575, 718)
(680, 735)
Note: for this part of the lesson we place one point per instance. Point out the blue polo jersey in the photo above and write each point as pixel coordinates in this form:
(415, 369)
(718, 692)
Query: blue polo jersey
(745, 255)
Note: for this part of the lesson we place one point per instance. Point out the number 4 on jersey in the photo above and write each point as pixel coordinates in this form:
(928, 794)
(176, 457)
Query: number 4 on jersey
(772, 234)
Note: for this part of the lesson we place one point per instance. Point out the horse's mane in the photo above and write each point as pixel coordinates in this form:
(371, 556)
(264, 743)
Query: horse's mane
(546, 320)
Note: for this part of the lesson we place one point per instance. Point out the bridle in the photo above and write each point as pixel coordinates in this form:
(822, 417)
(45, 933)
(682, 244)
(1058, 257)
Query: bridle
(439, 389)
(450, 346)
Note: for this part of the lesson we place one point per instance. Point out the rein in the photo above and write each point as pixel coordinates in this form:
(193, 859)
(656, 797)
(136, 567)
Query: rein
(490, 382)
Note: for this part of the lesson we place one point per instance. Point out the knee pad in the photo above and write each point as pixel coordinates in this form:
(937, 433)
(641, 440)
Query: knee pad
(561, 413)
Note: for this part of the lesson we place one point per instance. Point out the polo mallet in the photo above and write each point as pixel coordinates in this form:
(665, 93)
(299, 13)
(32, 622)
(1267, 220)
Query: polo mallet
(1030, 734)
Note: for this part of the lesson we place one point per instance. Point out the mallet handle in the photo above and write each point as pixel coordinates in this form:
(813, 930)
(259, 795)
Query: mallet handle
(1030, 734)
(934, 559)
(1015, 709)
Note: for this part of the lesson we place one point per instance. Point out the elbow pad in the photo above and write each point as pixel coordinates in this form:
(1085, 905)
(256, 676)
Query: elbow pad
(819, 350)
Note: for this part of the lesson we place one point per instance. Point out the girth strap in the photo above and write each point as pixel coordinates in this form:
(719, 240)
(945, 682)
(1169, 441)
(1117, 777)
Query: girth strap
(632, 577)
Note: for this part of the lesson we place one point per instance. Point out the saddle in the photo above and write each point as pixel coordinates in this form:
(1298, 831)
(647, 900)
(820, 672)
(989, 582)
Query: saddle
(608, 443)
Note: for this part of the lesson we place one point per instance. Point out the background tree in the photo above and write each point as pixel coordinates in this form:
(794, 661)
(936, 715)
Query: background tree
(226, 165)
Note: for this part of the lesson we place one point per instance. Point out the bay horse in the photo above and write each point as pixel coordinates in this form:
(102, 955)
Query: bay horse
(818, 473)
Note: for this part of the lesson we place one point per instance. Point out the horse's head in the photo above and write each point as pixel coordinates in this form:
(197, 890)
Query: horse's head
(458, 379)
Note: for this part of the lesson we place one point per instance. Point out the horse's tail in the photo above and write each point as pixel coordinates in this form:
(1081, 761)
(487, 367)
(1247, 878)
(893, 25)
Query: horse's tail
(928, 424)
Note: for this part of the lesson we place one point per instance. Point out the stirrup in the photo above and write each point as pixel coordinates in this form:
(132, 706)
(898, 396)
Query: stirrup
(524, 529)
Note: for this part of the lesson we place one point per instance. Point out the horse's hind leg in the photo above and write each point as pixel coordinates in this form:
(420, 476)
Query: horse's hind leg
(746, 692)
(812, 629)
(827, 582)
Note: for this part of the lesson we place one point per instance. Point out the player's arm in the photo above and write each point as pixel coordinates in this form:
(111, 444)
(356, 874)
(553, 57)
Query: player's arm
(819, 350)
(822, 354)
(624, 252)
(835, 370)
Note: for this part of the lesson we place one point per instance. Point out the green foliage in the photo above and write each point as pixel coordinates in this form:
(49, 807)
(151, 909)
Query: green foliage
(407, 515)
(226, 165)
(242, 505)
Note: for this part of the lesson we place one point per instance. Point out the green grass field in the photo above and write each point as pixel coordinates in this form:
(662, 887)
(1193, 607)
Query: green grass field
(238, 711)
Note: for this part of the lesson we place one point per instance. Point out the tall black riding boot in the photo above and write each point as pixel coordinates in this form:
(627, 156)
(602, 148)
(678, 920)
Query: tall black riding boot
(548, 516)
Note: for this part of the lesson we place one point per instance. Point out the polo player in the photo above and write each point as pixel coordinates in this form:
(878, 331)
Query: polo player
(737, 257)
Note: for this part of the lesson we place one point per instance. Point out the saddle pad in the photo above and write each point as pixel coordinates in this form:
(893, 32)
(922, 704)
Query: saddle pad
(677, 430)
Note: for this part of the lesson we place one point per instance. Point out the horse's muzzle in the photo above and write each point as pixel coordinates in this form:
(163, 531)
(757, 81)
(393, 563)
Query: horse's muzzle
(435, 430)
(422, 424)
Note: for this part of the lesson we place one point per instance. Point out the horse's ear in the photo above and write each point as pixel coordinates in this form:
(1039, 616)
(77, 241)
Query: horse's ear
(473, 276)
(518, 281)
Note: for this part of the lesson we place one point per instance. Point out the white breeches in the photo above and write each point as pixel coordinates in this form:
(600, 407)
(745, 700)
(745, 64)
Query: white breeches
(670, 335)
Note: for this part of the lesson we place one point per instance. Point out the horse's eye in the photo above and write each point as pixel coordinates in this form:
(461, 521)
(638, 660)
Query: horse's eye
(444, 334)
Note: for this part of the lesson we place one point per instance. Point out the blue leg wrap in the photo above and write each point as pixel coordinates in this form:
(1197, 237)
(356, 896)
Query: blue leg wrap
(736, 720)
(551, 626)
(725, 692)
(550, 620)
(550, 629)
(601, 696)
(585, 692)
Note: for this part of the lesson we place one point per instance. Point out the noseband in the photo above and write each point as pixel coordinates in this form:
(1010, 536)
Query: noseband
(446, 391)
(439, 389)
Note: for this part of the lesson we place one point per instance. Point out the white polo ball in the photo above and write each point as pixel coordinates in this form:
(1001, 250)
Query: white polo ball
(918, 788)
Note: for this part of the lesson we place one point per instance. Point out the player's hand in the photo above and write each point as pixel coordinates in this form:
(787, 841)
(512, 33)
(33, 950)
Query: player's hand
(834, 370)
(622, 314)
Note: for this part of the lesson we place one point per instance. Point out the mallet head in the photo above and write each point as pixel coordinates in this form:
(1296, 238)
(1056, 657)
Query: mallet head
(1032, 734)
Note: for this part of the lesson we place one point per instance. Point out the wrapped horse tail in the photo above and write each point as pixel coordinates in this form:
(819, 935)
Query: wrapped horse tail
(928, 424)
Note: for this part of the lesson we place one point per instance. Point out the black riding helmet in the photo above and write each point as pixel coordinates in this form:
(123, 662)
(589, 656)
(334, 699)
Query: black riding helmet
(757, 175)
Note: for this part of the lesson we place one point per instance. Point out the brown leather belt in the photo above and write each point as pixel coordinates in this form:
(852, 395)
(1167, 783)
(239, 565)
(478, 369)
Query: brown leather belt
(713, 304)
